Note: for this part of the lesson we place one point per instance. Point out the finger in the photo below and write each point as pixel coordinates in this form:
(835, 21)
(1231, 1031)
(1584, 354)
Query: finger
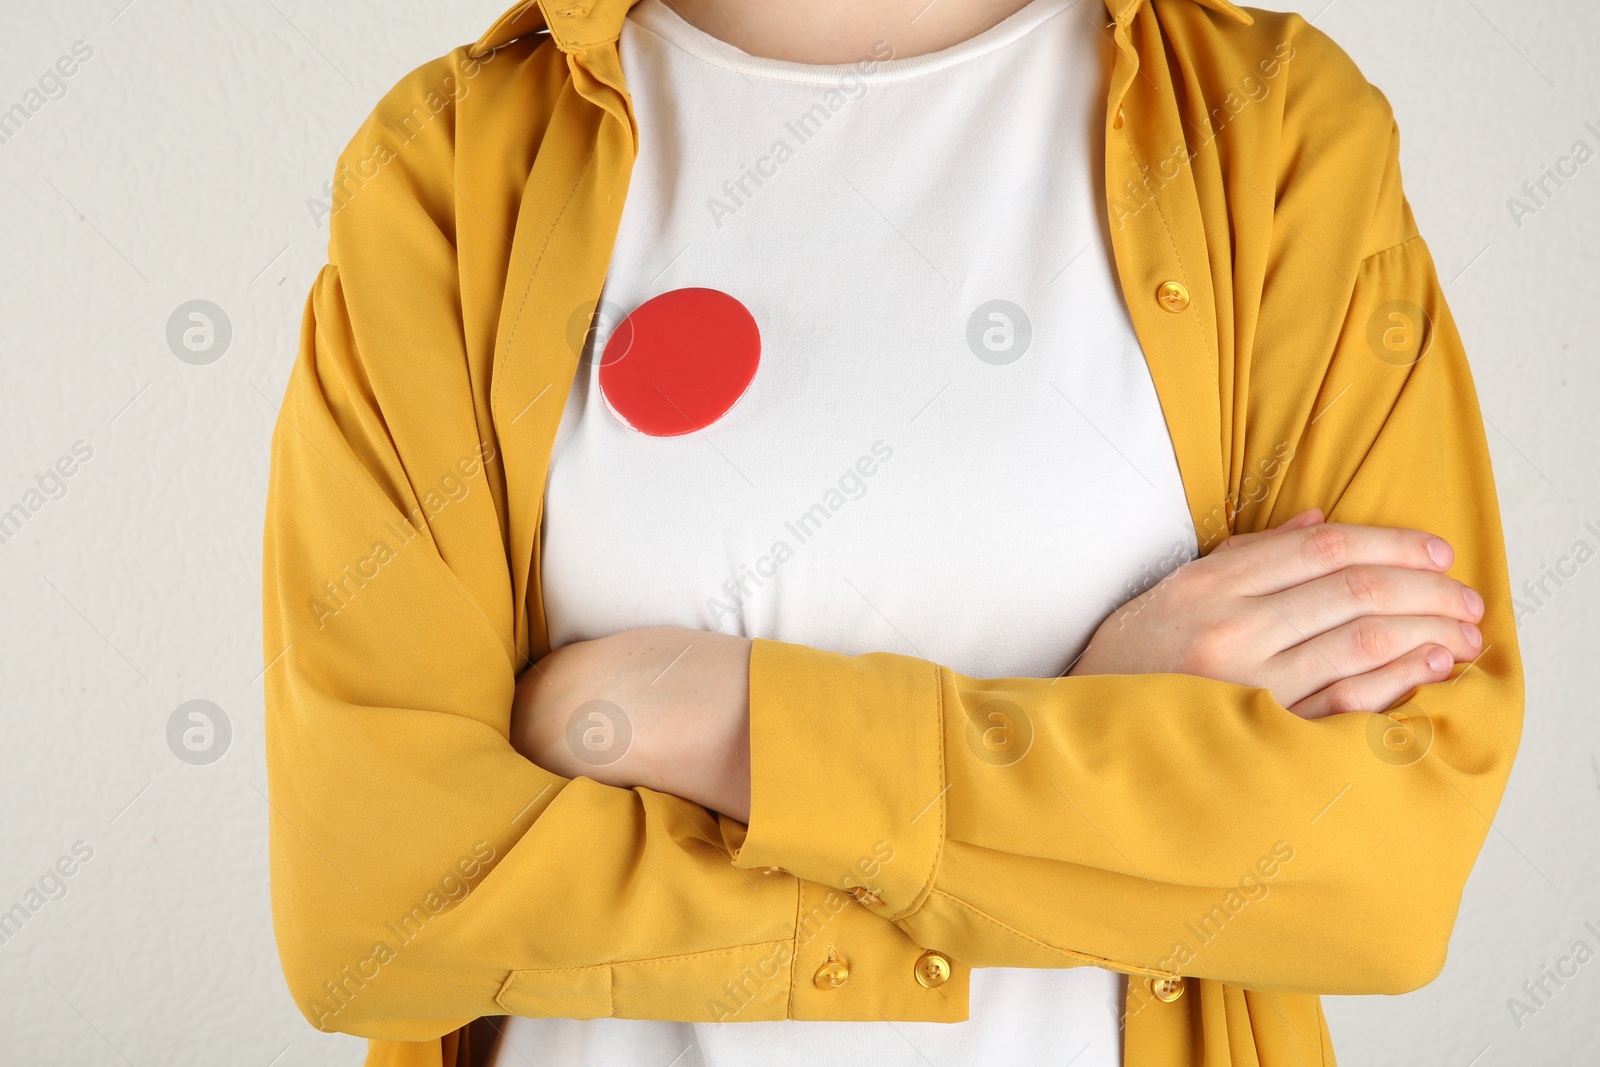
(1277, 563)
(1365, 644)
(1308, 517)
(1316, 607)
(1379, 690)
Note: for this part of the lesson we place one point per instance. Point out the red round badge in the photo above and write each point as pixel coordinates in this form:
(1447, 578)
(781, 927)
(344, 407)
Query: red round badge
(679, 361)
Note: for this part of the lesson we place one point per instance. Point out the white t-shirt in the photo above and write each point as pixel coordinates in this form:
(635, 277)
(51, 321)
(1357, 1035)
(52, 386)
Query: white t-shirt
(951, 447)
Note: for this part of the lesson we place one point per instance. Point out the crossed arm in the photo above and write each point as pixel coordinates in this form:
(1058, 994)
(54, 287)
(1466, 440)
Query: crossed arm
(1329, 617)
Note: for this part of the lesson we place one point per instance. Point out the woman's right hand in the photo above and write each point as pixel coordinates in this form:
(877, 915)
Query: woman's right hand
(1329, 617)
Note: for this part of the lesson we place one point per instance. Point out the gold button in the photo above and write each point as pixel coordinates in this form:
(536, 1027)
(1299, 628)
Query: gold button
(1167, 989)
(865, 895)
(833, 974)
(1174, 296)
(933, 969)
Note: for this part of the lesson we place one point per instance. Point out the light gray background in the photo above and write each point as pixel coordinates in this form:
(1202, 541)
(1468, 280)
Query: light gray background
(179, 164)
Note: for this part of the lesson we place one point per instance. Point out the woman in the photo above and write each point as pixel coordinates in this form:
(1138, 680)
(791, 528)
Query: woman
(752, 657)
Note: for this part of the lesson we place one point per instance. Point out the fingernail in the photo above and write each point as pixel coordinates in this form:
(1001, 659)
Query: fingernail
(1439, 659)
(1439, 549)
(1474, 601)
(1474, 635)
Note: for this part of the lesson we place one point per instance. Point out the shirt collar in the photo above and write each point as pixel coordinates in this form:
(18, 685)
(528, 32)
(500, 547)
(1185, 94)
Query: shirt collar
(578, 24)
(1123, 10)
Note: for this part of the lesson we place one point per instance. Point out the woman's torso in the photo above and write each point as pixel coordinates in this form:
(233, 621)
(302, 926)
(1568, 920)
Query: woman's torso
(922, 247)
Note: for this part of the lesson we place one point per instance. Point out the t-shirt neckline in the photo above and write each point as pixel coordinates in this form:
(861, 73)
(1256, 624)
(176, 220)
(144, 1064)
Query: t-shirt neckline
(659, 18)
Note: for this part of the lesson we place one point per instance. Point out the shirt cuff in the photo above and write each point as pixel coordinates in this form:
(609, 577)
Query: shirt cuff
(847, 776)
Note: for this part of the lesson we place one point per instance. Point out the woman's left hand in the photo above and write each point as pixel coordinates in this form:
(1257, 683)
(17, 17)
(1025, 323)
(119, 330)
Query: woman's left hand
(661, 707)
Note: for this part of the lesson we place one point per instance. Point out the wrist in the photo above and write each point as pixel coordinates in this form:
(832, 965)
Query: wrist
(663, 708)
(696, 740)
(543, 703)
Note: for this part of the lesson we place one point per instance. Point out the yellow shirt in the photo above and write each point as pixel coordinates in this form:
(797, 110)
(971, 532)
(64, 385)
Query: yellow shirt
(1233, 859)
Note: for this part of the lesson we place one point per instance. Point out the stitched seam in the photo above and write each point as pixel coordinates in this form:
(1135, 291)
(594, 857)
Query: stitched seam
(494, 388)
(1084, 957)
(517, 322)
(794, 943)
(571, 46)
(510, 986)
(655, 959)
(1392, 248)
(938, 846)
(1139, 164)
(699, 955)
(504, 23)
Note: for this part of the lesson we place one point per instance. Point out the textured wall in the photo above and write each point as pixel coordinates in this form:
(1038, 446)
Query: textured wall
(175, 163)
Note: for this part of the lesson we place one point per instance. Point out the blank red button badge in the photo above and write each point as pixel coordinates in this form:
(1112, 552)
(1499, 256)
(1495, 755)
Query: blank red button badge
(679, 361)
